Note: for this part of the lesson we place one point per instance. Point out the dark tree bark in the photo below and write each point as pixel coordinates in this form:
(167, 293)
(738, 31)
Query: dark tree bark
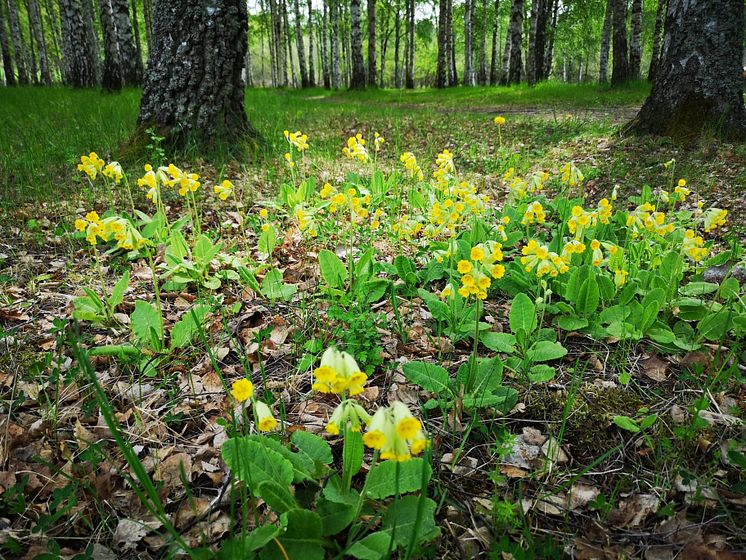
(34, 14)
(482, 67)
(409, 80)
(131, 65)
(516, 42)
(289, 43)
(357, 80)
(620, 73)
(372, 74)
(325, 48)
(19, 47)
(80, 69)
(551, 33)
(540, 40)
(603, 63)
(384, 42)
(495, 39)
(397, 47)
(311, 66)
(248, 72)
(10, 78)
(301, 48)
(469, 43)
(147, 12)
(699, 84)
(111, 78)
(138, 42)
(657, 32)
(94, 47)
(334, 54)
(452, 73)
(193, 87)
(531, 77)
(54, 23)
(635, 42)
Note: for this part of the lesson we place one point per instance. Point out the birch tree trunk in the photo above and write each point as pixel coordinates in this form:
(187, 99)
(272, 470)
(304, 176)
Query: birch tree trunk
(111, 77)
(531, 55)
(551, 33)
(453, 71)
(19, 47)
(384, 41)
(657, 32)
(482, 70)
(357, 80)
(334, 21)
(409, 82)
(495, 39)
(699, 85)
(441, 73)
(468, 43)
(54, 23)
(620, 71)
(138, 42)
(147, 12)
(34, 14)
(10, 78)
(301, 48)
(372, 74)
(397, 49)
(94, 47)
(325, 47)
(603, 63)
(311, 65)
(516, 42)
(130, 62)
(248, 76)
(193, 88)
(80, 69)
(635, 43)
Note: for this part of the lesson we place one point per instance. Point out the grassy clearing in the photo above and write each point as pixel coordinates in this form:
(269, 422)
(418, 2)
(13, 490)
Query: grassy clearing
(601, 404)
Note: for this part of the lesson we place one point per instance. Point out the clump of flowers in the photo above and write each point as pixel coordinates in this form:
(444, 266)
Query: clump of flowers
(348, 413)
(540, 259)
(396, 433)
(378, 141)
(713, 219)
(571, 175)
(477, 272)
(646, 217)
(181, 180)
(534, 214)
(355, 148)
(91, 165)
(580, 221)
(224, 189)
(297, 139)
(410, 164)
(113, 227)
(338, 373)
(692, 246)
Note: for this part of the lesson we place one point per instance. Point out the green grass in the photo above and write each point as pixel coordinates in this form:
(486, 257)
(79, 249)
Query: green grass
(47, 129)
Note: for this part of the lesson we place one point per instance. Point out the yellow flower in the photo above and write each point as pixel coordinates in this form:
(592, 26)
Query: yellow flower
(348, 413)
(265, 227)
(80, 225)
(114, 172)
(263, 213)
(264, 418)
(242, 390)
(713, 219)
(497, 271)
(464, 267)
(477, 253)
(93, 217)
(338, 373)
(500, 120)
(224, 189)
(396, 433)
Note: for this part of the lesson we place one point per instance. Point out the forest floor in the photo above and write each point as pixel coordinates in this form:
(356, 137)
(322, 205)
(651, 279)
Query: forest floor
(553, 476)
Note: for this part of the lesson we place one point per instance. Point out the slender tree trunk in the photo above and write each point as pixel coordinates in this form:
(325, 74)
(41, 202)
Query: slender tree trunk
(301, 48)
(248, 77)
(635, 43)
(620, 72)
(311, 65)
(281, 49)
(397, 43)
(80, 68)
(32, 54)
(372, 74)
(699, 84)
(441, 73)
(482, 28)
(657, 32)
(131, 70)
(325, 46)
(147, 12)
(138, 42)
(531, 55)
(289, 41)
(19, 47)
(34, 14)
(540, 40)
(10, 78)
(603, 64)
(262, 24)
(111, 78)
(495, 39)
(409, 82)
(334, 21)
(385, 33)
(193, 87)
(54, 23)
(450, 34)
(94, 46)
(516, 42)
(468, 43)
(551, 32)
(505, 63)
(356, 41)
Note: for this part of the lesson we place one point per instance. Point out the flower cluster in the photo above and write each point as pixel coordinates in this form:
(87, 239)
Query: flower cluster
(410, 164)
(181, 180)
(355, 148)
(297, 139)
(713, 219)
(646, 217)
(534, 214)
(338, 373)
(378, 141)
(243, 390)
(571, 175)
(580, 221)
(484, 262)
(224, 189)
(692, 246)
(113, 227)
(539, 257)
(91, 165)
(348, 413)
(396, 433)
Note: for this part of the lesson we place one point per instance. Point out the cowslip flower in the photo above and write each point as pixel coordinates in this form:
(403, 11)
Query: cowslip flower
(113, 171)
(224, 189)
(713, 219)
(91, 165)
(297, 139)
(348, 413)
(355, 148)
(534, 214)
(571, 175)
(378, 141)
(580, 221)
(264, 418)
(410, 164)
(396, 433)
(338, 373)
(183, 181)
(692, 246)
(539, 257)
(242, 390)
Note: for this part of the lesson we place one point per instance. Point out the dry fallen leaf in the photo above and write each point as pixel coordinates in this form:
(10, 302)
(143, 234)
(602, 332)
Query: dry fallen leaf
(129, 532)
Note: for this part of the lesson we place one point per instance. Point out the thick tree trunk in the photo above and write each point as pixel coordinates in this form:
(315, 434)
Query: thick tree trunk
(699, 84)
(516, 42)
(334, 21)
(311, 65)
(657, 32)
(301, 48)
(409, 81)
(495, 39)
(441, 72)
(356, 41)
(603, 63)
(131, 70)
(372, 74)
(19, 47)
(80, 69)
(468, 43)
(635, 42)
(620, 73)
(10, 78)
(34, 14)
(540, 39)
(505, 63)
(193, 87)
(111, 78)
